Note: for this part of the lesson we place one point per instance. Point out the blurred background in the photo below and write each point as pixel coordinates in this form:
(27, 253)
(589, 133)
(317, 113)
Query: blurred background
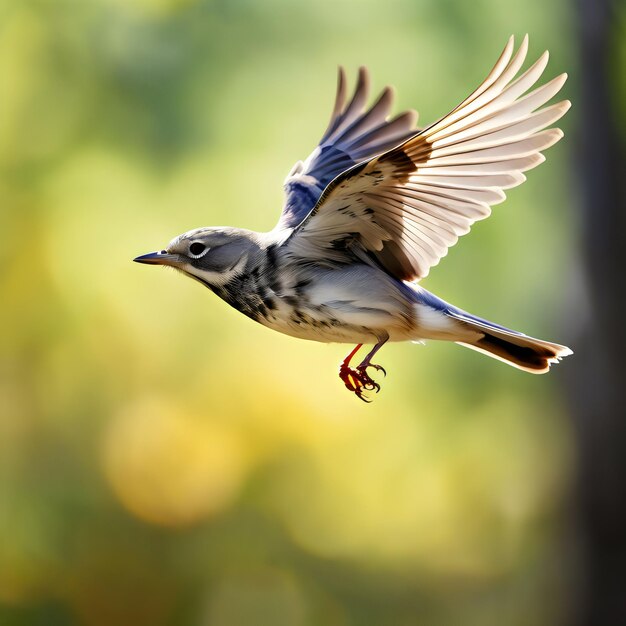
(166, 461)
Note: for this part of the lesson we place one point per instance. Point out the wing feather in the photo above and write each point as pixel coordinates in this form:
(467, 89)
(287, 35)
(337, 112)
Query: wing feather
(407, 206)
(354, 135)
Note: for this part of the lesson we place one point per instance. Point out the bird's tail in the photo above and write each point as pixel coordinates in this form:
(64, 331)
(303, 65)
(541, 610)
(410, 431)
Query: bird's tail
(516, 349)
(521, 351)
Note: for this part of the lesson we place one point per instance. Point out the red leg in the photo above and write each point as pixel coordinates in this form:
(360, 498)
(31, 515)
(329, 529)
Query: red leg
(366, 362)
(358, 380)
(346, 361)
(346, 372)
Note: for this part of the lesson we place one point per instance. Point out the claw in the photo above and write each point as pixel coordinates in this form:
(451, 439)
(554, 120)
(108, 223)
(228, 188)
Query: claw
(366, 379)
(358, 380)
(370, 385)
(378, 368)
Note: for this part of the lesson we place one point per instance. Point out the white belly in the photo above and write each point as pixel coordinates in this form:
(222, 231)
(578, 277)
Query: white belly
(345, 306)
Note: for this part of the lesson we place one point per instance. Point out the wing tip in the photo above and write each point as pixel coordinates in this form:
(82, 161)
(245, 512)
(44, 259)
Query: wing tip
(412, 117)
(558, 133)
(363, 77)
(524, 45)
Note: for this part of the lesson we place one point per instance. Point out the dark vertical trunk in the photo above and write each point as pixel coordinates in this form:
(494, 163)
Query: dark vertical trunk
(598, 383)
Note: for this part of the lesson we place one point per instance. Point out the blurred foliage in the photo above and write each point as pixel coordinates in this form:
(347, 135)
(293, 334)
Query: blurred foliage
(164, 460)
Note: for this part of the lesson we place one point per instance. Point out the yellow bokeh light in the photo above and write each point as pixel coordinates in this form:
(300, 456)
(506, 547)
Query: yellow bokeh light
(171, 468)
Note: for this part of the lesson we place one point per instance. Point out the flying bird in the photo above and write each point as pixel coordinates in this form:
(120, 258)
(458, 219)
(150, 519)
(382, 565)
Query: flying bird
(372, 209)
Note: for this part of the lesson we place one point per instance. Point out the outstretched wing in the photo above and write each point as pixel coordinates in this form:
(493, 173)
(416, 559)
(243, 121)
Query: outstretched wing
(407, 206)
(354, 135)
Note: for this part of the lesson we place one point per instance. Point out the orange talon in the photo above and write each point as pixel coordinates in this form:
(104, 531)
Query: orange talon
(358, 380)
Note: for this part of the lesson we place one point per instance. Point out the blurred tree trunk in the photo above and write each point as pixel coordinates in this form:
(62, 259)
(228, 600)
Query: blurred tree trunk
(598, 381)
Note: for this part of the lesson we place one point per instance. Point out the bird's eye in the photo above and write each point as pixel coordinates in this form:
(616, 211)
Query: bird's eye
(197, 249)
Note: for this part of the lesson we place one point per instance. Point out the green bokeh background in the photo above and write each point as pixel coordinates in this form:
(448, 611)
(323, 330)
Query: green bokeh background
(163, 459)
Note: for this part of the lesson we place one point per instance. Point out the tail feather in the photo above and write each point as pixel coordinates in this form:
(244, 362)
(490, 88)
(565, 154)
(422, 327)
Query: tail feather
(516, 349)
(521, 351)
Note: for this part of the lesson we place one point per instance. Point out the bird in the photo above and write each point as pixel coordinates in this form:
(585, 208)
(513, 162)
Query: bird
(374, 207)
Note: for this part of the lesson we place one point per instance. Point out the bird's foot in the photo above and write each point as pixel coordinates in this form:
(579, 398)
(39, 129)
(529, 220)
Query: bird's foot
(358, 380)
(378, 368)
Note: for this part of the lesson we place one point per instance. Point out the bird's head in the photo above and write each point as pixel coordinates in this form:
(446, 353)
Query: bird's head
(211, 255)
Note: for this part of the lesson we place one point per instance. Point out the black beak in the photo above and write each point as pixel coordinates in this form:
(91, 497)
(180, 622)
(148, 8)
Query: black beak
(159, 258)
